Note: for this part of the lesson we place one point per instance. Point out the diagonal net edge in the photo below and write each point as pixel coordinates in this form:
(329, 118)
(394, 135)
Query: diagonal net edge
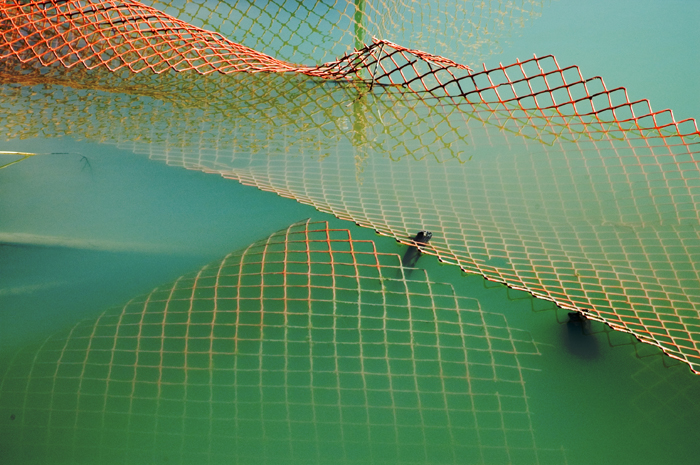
(538, 83)
(263, 324)
(262, 101)
(122, 35)
(670, 329)
(115, 35)
(393, 66)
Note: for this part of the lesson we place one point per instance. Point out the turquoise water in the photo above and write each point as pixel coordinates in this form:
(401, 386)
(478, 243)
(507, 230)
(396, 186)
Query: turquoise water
(121, 224)
(591, 398)
(93, 226)
(649, 47)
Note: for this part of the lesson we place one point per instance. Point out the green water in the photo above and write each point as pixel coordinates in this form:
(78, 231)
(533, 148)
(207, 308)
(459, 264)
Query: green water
(122, 224)
(85, 231)
(588, 401)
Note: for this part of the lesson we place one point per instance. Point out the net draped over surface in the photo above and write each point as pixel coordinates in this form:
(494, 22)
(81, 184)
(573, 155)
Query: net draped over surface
(119, 35)
(304, 344)
(529, 174)
(317, 31)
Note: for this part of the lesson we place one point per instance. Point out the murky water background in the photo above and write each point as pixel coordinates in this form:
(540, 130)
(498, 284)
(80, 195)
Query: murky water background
(95, 226)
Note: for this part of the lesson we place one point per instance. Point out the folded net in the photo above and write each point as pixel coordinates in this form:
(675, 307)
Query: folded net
(529, 174)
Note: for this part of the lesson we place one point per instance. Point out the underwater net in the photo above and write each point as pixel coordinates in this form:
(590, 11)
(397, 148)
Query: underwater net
(529, 174)
(304, 344)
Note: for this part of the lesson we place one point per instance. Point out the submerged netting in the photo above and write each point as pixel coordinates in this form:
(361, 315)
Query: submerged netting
(305, 344)
(529, 174)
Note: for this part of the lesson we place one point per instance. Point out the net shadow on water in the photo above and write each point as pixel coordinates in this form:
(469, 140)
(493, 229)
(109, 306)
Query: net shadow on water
(304, 346)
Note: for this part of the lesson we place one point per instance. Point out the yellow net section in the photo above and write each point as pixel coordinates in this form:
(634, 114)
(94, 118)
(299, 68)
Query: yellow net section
(306, 344)
(321, 30)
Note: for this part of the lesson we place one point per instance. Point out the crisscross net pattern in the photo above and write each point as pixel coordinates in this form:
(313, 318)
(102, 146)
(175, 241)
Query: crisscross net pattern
(321, 30)
(529, 174)
(595, 216)
(305, 344)
(539, 85)
(121, 35)
(134, 37)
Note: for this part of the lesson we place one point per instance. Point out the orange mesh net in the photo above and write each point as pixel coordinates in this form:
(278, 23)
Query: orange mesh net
(134, 37)
(307, 343)
(120, 35)
(529, 174)
(317, 31)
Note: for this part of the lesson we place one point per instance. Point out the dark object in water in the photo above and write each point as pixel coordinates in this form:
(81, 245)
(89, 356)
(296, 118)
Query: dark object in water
(413, 253)
(578, 338)
(580, 320)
